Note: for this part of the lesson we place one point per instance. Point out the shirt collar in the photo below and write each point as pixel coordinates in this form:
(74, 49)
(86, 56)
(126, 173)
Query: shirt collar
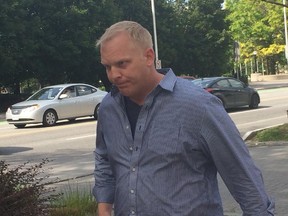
(169, 80)
(167, 83)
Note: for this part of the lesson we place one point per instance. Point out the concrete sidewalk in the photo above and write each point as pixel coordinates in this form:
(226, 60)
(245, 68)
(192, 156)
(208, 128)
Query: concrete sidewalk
(269, 84)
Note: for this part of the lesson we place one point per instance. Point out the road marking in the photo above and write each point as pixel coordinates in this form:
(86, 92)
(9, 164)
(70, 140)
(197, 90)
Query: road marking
(81, 137)
(274, 98)
(240, 112)
(261, 108)
(37, 129)
(264, 120)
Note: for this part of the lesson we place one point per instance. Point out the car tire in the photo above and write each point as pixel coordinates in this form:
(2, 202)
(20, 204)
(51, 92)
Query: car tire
(19, 125)
(96, 110)
(254, 102)
(49, 118)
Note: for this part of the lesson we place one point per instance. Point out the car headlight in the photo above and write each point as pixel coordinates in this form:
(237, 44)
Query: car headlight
(31, 108)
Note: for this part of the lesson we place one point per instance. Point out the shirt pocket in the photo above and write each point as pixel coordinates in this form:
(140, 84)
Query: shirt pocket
(164, 139)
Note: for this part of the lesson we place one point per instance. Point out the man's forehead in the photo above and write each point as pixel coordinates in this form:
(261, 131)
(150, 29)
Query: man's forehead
(114, 60)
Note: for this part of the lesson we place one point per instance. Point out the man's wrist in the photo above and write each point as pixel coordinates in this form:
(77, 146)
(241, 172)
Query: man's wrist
(104, 209)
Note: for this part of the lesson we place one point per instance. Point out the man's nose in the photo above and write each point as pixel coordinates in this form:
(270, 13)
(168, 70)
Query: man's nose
(114, 73)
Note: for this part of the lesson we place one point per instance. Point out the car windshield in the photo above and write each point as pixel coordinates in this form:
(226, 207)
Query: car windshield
(45, 94)
(202, 82)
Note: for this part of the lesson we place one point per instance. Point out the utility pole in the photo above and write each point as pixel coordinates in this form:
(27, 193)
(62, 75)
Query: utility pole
(158, 62)
(285, 27)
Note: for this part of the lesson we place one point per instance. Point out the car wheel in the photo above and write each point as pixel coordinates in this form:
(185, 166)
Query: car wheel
(96, 110)
(19, 125)
(50, 118)
(254, 102)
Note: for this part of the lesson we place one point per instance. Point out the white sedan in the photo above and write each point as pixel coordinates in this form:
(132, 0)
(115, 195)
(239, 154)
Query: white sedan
(53, 103)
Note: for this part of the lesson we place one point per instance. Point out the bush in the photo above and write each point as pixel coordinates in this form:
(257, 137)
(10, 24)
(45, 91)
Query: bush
(23, 190)
(10, 99)
(75, 201)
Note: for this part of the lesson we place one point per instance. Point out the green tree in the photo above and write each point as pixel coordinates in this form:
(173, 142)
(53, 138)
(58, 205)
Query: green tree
(13, 44)
(203, 38)
(258, 26)
(54, 41)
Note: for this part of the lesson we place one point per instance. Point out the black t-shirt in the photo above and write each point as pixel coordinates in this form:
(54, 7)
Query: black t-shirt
(132, 110)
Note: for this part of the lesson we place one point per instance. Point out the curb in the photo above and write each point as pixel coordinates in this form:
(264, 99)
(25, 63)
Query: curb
(71, 179)
(250, 134)
(268, 144)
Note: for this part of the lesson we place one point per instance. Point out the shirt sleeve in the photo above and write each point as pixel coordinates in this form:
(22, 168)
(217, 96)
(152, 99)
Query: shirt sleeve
(104, 179)
(231, 157)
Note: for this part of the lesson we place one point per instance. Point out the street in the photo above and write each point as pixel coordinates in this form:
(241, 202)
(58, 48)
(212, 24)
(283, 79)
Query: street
(272, 111)
(70, 147)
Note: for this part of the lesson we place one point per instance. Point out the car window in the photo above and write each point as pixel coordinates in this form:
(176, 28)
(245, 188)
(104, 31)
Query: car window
(222, 83)
(70, 92)
(201, 82)
(236, 83)
(53, 93)
(45, 94)
(85, 90)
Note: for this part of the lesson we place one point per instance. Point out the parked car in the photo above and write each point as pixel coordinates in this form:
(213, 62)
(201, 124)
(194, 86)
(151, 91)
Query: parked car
(232, 92)
(53, 103)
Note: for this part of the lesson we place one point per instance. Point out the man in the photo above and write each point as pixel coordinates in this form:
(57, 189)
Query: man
(161, 141)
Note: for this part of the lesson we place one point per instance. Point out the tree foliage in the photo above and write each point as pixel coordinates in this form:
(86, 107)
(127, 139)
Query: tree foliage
(54, 41)
(206, 37)
(258, 26)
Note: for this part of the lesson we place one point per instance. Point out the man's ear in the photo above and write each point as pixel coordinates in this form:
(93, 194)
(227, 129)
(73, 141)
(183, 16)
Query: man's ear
(150, 56)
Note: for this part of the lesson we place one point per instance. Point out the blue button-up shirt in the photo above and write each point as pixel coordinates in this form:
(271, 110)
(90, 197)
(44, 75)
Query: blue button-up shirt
(183, 136)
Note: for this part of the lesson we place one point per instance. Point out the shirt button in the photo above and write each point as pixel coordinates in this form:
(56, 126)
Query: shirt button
(132, 191)
(133, 212)
(133, 169)
(131, 148)
(127, 127)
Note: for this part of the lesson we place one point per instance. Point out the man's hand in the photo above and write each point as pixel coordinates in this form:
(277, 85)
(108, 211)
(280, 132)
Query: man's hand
(104, 209)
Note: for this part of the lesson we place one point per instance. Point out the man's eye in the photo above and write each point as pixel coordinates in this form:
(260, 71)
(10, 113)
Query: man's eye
(121, 64)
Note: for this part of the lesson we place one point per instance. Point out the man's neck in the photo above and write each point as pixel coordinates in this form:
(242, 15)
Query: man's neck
(155, 80)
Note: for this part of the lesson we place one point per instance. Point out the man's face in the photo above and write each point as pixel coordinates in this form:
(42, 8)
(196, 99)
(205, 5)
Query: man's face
(127, 64)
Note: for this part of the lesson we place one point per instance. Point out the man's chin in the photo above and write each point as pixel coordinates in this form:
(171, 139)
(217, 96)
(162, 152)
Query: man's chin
(124, 92)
